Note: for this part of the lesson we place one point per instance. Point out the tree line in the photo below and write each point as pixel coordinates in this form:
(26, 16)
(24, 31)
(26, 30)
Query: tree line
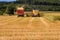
(5, 7)
(38, 2)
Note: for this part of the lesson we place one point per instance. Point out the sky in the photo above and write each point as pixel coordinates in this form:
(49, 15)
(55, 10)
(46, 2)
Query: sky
(7, 0)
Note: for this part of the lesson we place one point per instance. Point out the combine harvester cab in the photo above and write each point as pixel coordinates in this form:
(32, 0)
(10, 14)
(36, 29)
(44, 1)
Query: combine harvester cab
(20, 11)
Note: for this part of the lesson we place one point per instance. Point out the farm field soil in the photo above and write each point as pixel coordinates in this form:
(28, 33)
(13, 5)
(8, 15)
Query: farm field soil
(28, 28)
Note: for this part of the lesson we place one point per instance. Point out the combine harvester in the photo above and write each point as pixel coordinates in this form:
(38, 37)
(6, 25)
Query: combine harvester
(20, 11)
(35, 13)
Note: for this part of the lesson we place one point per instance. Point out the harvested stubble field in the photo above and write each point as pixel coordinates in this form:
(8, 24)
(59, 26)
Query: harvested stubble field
(28, 28)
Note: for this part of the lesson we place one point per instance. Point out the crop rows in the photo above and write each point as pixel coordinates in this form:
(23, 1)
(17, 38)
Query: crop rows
(27, 28)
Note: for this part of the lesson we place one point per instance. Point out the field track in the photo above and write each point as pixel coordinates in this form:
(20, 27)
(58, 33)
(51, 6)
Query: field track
(28, 28)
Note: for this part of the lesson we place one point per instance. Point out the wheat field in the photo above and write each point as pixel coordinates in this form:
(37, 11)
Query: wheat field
(28, 28)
